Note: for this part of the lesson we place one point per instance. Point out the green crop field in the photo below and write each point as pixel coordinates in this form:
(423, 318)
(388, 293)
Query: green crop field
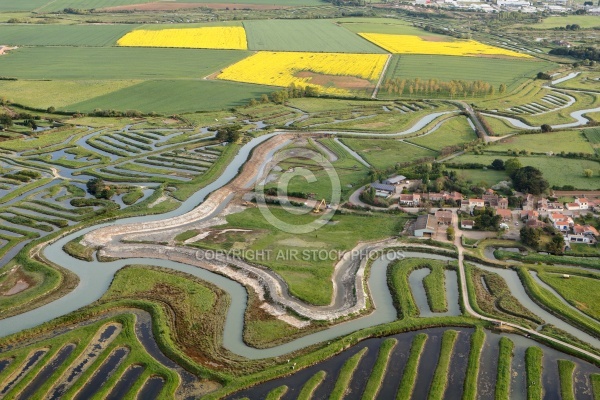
(305, 35)
(569, 141)
(557, 170)
(585, 21)
(115, 63)
(385, 153)
(62, 35)
(43, 94)
(386, 25)
(511, 72)
(593, 136)
(175, 96)
(21, 5)
(453, 132)
(88, 4)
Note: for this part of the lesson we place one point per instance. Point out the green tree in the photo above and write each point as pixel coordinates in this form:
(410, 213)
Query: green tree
(511, 165)
(530, 236)
(498, 164)
(556, 245)
(6, 121)
(546, 128)
(529, 180)
(502, 88)
(588, 173)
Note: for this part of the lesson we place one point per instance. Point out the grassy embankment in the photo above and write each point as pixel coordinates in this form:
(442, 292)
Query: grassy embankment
(533, 365)
(440, 376)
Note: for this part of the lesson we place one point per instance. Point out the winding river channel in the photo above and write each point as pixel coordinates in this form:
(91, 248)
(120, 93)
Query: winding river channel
(95, 277)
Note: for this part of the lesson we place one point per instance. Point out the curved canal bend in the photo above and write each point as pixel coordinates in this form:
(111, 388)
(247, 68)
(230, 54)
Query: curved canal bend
(95, 277)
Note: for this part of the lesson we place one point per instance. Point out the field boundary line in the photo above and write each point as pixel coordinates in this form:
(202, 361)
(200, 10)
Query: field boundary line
(385, 67)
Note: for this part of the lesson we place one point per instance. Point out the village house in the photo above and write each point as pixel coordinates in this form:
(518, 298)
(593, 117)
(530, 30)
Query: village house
(410, 200)
(491, 199)
(542, 205)
(582, 202)
(527, 215)
(561, 222)
(444, 217)
(470, 204)
(505, 214)
(528, 202)
(503, 203)
(467, 224)
(535, 223)
(443, 196)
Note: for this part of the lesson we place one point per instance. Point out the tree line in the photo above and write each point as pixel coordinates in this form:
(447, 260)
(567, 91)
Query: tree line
(581, 52)
(452, 88)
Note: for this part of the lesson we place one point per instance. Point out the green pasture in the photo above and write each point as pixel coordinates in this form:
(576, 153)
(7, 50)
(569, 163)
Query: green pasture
(385, 153)
(453, 132)
(496, 71)
(175, 96)
(556, 142)
(558, 171)
(488, 177)
(308, 276)
(100, 63)
(581, 292)
(305, 35)
(585, 21)
(62, 35)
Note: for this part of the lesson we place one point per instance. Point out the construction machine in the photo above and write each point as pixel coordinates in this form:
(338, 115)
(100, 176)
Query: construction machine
(317, 208)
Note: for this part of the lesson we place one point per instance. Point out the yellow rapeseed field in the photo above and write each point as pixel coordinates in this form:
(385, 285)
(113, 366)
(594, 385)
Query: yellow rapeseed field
(283, 68)
(214, 37)
(410, 44)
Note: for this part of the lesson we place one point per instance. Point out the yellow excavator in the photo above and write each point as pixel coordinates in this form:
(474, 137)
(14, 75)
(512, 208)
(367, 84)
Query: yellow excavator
(317, 208)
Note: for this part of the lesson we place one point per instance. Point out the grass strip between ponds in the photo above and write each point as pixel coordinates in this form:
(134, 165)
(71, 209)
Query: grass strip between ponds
(533, 365)
(435, 288)
(378, 372)
(440, 377)
(277, 393)
(311, 385)
(595, 378)
(409, 376)
(503, 378)
(470, 385)
(345, 377)
(565, 372)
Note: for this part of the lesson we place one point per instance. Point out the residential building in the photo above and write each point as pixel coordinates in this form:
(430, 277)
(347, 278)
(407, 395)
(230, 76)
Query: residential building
(410, 200)
(444, 217)
(503, 203)
(467, 224)
(505, 214)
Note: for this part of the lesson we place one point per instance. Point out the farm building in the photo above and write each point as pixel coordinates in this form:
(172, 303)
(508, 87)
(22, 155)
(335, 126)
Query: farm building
(383, 190)
(425, 226)
(394, 180)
